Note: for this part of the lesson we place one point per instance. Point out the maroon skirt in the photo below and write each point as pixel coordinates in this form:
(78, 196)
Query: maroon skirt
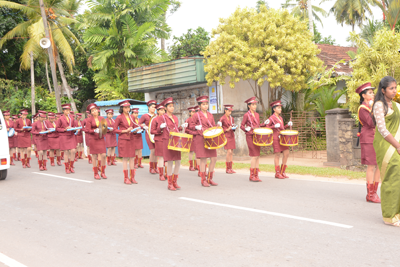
(79, 139)
(111, 140)
(126, 148)
(278, 148)
(254, 151)
(97, 146)
(158, 148)
(230, 144)
(11, 143)
(149, 143)
(15, 140)
(67, 142)
(368, 155)
(193, 145)
(87, 139)
(42, 143)
(54, 143)
(24, 141)
(170, 155)
(138, 141)
(201, 151)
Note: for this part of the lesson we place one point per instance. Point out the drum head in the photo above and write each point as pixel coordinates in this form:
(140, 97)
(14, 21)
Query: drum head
(289, 132)
(212, 132)
(263, 131)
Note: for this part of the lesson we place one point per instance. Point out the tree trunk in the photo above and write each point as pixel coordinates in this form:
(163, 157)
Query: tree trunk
(162, 39)
(65, 84)
(352, 26)
(48, 80)
(300, 101)
(384, 7)
(33, 86)
(310, 17)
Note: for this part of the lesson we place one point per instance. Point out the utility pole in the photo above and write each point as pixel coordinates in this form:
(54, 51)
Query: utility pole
(32, 85)
(310, 17)
(51, 57)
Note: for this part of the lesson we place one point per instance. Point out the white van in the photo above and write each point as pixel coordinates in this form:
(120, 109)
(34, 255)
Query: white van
(4, 149)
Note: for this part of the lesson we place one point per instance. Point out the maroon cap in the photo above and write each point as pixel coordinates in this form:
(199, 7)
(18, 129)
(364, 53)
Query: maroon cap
(276, 103)
(124, 103)
(14, 116)
(251, 100)
(203, 98)
(191, 109)
(363, 87)
(42, 112)
(110, 111)
(42, 115)
(151, 102)
(160, 106)
(136, 110)
(66, 106)
(167, 101)
(79, 115)
(91, 106)
(196, 107)
(24, 111)
(6, 113)
(51, 114)
(229, 107)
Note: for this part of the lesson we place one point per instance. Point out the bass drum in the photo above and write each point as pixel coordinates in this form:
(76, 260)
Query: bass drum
(151, 136)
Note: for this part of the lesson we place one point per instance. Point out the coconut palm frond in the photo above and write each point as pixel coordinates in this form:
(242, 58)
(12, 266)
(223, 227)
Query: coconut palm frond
(19, 30)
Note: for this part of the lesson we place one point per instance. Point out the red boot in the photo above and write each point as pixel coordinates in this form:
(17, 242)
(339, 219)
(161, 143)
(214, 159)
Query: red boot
(48, 153)
(113, 161)
(15, 156)
(76, 156)
(108, 161)
(96, 173)
(283, 168)
(203, 179)
(40, 165)
(228, 169)
(23, 163)
(11, 161)
(62, 155)
(153, 168)
(59, 160)
(27, 162)
(161, 173)
(140, 163)
(171, 183)
(156, 167)
(67, 171)
(191, 168)
(278, 173)
(175, 181)
(210, 177)
(71, 166)
(19, 156)
(36, 154)
(81, 155)
(256, 178)
(126, 177)
(372, 196)
(52, 161)
(136, 162)
(103, 172)
(44, 163)
(90, 159)
(231, 165)
(133, 172)
(251, 178)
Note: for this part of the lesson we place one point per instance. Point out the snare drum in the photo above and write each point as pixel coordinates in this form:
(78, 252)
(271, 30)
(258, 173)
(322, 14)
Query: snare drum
(289, 138)
(214, 138)
(262, 136)
(180, 141)
(11, 132)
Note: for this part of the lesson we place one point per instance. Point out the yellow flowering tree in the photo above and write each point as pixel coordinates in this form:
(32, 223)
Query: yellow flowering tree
(374, 62)
(270, 45)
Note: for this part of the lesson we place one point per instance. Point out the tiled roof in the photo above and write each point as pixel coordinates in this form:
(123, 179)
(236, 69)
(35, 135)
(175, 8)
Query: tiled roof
(331, 54)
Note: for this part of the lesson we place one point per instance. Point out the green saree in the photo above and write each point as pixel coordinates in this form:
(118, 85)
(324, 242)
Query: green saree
(389, 164)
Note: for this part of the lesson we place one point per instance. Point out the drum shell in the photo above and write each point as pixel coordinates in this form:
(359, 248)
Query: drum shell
(214, 141)
(289, 138)
(180, 141)
(262, 139)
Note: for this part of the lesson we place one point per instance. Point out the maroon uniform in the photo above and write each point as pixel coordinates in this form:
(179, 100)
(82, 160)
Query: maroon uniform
(41, 139)
(9, 125)
(200, 119)
(137, 137)
(126, 146)
(79, 135)
(251, 120)
(111, 136)
(97, 145)
(53, 137)
(66, 138)
(368, 155)
(229, 133)
(191, 131)
(273, 119)
(24, 135)
(146, 120)
(158, 136)
(172, 126)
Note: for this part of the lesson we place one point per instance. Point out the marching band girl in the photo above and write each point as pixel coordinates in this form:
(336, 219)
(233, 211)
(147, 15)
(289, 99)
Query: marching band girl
(53, 141)
(158, 139)
(97, 144)
(24, 138)
(87, 137)
(192, 156)
(66, 138)
(137, 137)
(277, 125)
(79, 137)
(17, 151)
(229, 129)
(41, 139)
(111, 138)
(126, 146)
(144, 123)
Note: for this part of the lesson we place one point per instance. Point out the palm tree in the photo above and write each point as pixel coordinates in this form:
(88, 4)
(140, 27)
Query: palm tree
(391, 11)
(299, 9)
(352, 12)
(59, 20)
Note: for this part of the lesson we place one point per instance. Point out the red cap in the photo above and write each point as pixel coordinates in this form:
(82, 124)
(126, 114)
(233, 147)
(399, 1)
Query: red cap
(51, 114)
(151, 102)
(79, 115)
(87, 112)
(124, 103)
(71, 112)
(91, 106)
(24, 111)
(136, 110)
(363, 87)
(196, 107)
(251, 100)
(42, 115)
(191, 109)
(167, 101)
(229, 107)
(110, 111)
(203, 98)
(276, 103)
(14, 116)
(42, 112)
(6, 113)
(65, 106)
(160, 106)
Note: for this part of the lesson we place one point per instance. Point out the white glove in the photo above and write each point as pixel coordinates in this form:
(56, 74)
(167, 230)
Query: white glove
(248, 128)
(146, 127)
(96, 130)
(371, 102)
(163, 125)
(219, 124)
(266, 122)
(140, 131)
(111, 129)
(198, 127)
(184, 125)
(277, 125)
(290, 123)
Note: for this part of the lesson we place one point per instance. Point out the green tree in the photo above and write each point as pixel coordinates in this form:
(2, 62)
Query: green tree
(271, 45)
(369, 29)
(352, 12)
(373, 62)
(299, 9)
(190, 43)
(261, 3)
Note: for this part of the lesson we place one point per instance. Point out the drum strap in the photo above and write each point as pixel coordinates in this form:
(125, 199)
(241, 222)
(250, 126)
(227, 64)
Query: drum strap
(172, 121)
(251, 116)
(204, 117)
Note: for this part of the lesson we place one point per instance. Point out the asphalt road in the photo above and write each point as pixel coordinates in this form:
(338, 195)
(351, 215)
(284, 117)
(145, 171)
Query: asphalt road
(49, 221)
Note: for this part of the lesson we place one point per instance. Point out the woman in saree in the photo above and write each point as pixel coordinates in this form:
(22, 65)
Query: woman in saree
(387, 147)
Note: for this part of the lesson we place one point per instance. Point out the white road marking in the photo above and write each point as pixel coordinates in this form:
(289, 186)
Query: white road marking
(10, 262)
(62, 177)
(269, 213)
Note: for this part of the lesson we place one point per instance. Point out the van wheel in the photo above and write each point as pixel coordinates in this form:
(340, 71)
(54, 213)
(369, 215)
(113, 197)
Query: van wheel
(3, 174)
